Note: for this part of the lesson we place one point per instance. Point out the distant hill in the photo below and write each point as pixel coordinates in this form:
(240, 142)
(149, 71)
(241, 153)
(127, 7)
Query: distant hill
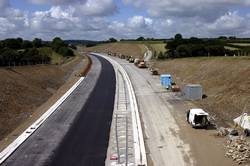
(83, 42)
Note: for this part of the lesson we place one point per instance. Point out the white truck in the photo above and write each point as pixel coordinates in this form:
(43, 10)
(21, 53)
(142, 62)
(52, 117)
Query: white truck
(198, 118)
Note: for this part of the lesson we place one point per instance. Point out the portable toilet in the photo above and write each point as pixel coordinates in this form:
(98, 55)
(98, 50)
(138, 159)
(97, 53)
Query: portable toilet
(193, 92)
(166, 80)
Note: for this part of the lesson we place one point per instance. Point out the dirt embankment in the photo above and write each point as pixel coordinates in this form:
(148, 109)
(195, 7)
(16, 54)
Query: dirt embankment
(132, 49)
(24, 90)
(225, 80)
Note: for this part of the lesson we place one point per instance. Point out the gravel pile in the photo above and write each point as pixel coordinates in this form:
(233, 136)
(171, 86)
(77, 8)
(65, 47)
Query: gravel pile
(239, 150)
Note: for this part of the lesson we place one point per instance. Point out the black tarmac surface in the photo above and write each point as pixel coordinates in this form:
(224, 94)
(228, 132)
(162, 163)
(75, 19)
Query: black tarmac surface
(78, 133)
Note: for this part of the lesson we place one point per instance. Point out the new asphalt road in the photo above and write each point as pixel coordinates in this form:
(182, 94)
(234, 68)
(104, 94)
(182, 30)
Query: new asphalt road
(78, 132)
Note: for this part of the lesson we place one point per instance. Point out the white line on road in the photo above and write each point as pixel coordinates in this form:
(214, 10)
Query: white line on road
(30, 130)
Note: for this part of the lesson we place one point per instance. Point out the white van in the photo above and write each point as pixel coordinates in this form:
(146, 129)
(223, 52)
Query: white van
(197, 118)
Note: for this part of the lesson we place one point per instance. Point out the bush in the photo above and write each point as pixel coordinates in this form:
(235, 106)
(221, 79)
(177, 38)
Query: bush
(8, 56)
(27, 44)
(161, 55)
(13, 43)
(37, 42)
(28, 56)
(216, 50)
(65, 51)
(184, 51)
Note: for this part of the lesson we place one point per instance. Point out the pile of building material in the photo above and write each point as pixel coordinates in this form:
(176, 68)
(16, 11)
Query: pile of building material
(175, 88)
(154, 71)
(238, 148)
(222, 132)
(244, 122)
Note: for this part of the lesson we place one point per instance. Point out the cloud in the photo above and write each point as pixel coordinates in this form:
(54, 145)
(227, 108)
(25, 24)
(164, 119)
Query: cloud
(56, 2)
(228, 24)
(4, 4)
(97, 8)
(139, 22)
(63, 22)
(133, 27)
(208, 10)
(12, 21)
(84, 7)
(5, 26)
(92, 19)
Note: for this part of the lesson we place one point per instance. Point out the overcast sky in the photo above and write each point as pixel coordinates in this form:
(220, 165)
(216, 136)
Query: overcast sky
(102, 19)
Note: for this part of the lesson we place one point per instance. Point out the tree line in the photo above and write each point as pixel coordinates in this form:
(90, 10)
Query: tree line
(17, 51)
(194, 47)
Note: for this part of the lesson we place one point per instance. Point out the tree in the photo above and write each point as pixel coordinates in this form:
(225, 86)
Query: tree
(140, 38)
(223, 38)
(178, 36)
(216, 50)
(232, 38)
(65, 51)
(1, 45)
(27, 44)
(112, 40)
(184, 51)
(8, 56)
(37, 43)
(198, 50)
(20, 40)
(13, 43)
(194, 40)
(161, 56)
(57, 43)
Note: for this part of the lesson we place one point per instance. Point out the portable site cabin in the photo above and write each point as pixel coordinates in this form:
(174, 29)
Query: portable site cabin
(166, 80)
(193, 92)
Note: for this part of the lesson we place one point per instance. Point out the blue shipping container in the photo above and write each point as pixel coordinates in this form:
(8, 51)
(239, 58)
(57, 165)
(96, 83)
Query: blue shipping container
(166, 80)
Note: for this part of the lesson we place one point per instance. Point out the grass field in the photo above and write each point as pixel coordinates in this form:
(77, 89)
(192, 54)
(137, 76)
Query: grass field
(133, 49)
(143, 42)
(158, 47)
(241, 44)
(231, 48)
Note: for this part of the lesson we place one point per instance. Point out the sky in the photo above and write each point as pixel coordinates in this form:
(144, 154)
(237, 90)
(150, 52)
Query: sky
(102, 19)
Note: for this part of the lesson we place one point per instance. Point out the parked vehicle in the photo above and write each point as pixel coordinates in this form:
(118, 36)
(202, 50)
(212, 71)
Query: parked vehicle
(198, 118)
(137, 61)
(142, 64)
(154, 71)
(131, 60)
(175, 88)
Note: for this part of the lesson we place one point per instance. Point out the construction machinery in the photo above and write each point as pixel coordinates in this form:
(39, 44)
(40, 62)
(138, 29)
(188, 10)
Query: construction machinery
(142, 64)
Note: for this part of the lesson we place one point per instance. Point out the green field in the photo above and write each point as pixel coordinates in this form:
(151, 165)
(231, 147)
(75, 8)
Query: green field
(143, 42)
(158, 47)
(231, 48)
(241, 44)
